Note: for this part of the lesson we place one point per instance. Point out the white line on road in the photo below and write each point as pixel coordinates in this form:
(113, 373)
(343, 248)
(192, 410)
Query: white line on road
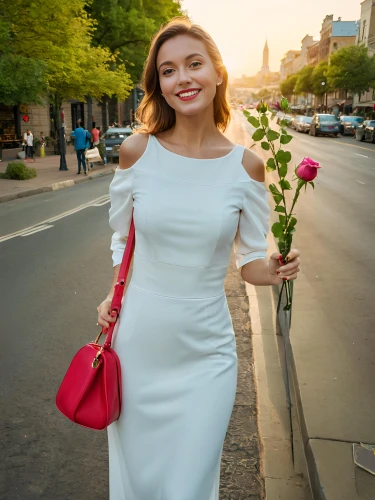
(360, 182)
(363, 156)
(98, 202)
(41, 228)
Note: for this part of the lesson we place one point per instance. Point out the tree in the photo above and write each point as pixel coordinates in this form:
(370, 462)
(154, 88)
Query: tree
(304, 82)
(22, 79)
(319, 80)
(287, 86)
(59, 34)
(352, 69)
(126, 27)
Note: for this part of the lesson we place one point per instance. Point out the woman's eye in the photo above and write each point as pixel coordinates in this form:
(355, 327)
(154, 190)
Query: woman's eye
(196, 62)
(166, 71)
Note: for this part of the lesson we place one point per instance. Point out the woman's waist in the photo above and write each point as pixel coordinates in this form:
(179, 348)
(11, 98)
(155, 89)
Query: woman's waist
(171, 280)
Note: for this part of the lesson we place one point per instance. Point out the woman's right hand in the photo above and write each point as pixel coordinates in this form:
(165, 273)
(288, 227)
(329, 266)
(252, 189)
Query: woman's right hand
(104, 313)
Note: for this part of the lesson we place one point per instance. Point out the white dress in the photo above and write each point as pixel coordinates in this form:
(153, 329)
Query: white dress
(175, 336)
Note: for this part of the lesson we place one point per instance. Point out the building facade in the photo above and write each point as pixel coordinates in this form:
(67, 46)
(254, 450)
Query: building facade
(365, 103)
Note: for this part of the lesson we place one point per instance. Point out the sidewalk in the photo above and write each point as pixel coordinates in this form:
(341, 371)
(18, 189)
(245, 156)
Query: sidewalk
(49, 177)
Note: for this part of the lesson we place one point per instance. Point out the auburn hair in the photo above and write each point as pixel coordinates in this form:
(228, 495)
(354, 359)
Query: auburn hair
(154, 113)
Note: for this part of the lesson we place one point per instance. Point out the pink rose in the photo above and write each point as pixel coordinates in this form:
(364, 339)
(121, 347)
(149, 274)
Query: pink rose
(308, 169)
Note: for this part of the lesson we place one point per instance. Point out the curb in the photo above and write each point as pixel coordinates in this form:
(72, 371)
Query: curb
(54, 187)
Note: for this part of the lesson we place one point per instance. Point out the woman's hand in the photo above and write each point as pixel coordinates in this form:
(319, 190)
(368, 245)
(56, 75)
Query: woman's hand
(287, 271)
(104, 313)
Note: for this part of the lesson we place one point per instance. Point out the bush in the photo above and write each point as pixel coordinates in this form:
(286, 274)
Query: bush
(17, 170)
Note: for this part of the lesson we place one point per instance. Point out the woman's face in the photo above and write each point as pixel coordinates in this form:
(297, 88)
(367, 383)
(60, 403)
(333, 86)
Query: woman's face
(188, 79)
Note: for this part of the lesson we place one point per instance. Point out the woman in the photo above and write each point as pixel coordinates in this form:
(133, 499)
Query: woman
(28, 140)
(194, 194)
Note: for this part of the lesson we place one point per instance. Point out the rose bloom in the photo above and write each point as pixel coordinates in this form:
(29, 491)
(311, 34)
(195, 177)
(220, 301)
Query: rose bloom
(308, 169)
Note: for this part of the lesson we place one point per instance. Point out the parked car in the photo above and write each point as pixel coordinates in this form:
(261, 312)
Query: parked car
(281, 116)
(349, 124)
(366, 131)
(302, 123)
(113, 138)
(324, 124)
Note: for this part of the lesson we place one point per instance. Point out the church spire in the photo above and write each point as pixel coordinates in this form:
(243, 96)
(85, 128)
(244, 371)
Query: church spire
(266, 54)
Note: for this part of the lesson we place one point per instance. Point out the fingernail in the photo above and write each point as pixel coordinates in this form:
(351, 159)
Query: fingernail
(277, 271)
(284, 278)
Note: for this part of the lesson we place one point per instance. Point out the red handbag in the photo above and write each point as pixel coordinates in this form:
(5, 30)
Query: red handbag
(90, 393)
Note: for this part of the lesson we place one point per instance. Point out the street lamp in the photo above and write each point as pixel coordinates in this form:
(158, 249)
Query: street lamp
(326, 105)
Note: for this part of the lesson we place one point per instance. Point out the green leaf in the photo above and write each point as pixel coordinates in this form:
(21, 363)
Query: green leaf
(270, 165)
(265, 145)
(285, 139)
(283, 170)
(274, 189)
(313, 185)
(284, 123)
(258, 134)
(246, 113)
(264, 120)
(292, 222)
(285, 185)
(283, 131)
(282, 219)
(280, 209)
(277, 229)
(278, 198)
(254, 121)
(283, 156)
(272, 135)
(301, 183)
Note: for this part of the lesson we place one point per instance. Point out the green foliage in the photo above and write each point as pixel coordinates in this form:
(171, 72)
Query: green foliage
(265, 146)
(304, 82)
(59, 35)
(258, 134)
(22, 79)
(319, 76)
(17, 170)
(287, 86)
(272, 135)
(352, 69)
(253, 121)
(126, 27)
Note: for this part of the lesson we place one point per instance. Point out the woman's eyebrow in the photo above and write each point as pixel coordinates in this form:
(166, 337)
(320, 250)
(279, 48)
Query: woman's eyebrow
(186, 58)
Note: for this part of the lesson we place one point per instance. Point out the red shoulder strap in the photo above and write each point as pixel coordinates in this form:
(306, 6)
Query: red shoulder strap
(120, 285)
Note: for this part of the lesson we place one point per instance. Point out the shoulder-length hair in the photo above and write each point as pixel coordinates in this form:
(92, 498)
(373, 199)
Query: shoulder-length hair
(154, 113)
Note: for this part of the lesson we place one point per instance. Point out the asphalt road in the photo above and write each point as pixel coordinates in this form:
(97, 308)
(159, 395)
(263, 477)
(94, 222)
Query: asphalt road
(51, 282)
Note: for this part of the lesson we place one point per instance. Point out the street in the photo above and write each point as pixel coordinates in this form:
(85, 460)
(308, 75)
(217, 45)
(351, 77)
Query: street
(56, 272)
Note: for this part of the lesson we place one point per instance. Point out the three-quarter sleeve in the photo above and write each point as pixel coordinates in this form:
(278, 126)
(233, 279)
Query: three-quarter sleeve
(251, 238)
(120, 212)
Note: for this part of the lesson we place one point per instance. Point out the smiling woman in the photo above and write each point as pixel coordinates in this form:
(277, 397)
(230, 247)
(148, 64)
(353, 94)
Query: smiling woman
(157, 108)
(194, 195)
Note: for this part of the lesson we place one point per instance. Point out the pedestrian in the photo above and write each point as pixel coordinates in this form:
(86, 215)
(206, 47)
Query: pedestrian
(28, 140)
(95, 139)
(195, 194)
(81, 143)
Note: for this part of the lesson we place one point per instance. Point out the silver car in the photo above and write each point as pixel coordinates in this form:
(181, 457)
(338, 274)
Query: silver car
(349, 124)
(302, 123)
(113, 138)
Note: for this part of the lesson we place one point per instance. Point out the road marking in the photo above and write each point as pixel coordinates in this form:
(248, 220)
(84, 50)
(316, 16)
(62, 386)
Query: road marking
(98, 202)
(360, 182)
(355, 146)
(41, 228)
(363, 156)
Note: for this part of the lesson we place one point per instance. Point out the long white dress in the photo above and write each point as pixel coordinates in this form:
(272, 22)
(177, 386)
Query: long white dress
(175, 336)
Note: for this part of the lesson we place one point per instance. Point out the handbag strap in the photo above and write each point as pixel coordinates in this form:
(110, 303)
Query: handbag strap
(121, 281)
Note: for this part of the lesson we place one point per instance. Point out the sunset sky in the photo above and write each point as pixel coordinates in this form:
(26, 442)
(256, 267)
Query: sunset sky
(240, 27)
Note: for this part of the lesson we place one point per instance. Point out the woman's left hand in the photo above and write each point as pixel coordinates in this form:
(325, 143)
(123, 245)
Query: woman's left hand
(289, 270)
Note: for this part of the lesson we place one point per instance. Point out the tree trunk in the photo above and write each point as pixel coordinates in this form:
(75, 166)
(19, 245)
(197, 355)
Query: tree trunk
(89, 113)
